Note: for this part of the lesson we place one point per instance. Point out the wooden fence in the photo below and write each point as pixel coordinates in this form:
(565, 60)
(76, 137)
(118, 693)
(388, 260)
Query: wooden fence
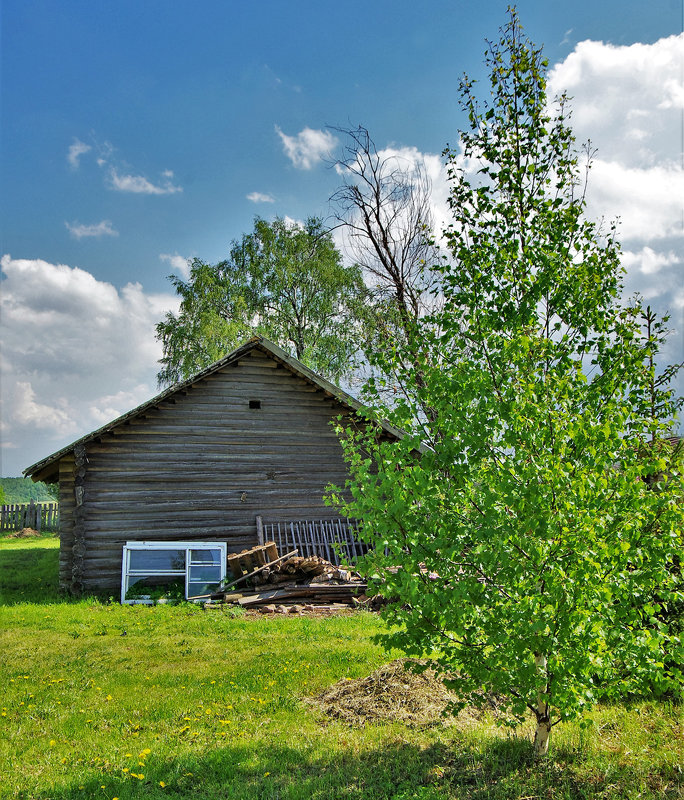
(39, 516)
(332, 539)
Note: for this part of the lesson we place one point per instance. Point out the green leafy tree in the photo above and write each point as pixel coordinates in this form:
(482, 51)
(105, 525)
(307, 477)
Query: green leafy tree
(284, 281)
(527, 526)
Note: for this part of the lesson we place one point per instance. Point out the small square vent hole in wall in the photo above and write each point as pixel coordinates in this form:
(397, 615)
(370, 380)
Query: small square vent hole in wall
(255, 403)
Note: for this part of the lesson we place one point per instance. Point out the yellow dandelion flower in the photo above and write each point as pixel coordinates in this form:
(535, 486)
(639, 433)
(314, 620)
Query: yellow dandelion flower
(52, 742)
(162, 784)
(109, 697)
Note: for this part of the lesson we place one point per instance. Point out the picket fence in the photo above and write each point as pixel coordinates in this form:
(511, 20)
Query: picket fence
(333, 539)
(39, 516)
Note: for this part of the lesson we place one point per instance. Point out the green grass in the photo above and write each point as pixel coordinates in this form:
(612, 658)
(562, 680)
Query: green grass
(212, 706)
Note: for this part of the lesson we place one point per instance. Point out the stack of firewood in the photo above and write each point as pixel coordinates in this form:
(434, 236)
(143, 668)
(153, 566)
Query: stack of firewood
(262, 578)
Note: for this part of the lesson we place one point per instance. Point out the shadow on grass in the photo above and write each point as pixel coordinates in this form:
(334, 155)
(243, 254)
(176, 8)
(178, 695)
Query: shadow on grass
(499, 770)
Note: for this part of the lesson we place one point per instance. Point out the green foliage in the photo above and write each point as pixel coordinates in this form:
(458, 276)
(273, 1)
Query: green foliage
(284, 281)
(535, 540)
(23, 490)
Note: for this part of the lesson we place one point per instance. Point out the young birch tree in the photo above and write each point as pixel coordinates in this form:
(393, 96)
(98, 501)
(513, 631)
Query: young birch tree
(535, 549)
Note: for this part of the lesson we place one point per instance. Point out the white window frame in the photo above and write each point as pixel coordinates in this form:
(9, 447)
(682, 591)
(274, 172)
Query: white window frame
(166, 545)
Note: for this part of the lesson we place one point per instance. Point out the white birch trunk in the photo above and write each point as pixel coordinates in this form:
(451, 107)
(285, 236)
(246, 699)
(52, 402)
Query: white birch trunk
(543, 731)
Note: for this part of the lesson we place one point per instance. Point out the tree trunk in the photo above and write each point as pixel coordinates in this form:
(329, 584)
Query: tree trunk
(541, 737)
(543, 731)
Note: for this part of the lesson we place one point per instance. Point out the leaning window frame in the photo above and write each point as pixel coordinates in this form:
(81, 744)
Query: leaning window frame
(166, 545)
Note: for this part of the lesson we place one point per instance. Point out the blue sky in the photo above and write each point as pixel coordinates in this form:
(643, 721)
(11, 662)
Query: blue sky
(135, 133)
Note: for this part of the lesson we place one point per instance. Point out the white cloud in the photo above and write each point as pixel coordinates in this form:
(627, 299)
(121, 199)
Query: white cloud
(628, 101)
(308, 147)
(648, 261)
(27, 411)
(96, 230)
(137, 184)
(76, 352)
(178, 263)
(109, 407)
(76, 150)
(647, 202)
(260, 197)
(409, 158)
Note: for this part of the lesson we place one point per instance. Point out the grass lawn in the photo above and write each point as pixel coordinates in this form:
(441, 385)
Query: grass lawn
(104, 701)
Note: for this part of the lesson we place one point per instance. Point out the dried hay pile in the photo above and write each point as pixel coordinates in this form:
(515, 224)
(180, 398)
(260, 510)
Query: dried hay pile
(393, 693)
(24, 533)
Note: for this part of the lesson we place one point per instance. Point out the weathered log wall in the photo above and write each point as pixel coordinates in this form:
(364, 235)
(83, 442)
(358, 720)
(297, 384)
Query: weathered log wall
(201, 466)
(67, 503)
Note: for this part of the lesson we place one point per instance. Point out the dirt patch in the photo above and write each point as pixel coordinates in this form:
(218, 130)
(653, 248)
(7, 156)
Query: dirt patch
(393, 693)
(24, 533)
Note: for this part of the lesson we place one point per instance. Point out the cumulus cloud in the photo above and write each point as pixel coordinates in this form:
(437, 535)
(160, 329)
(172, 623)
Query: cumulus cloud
(26, 410)
(648, 261)
(96, 230)
(138, 184)
(260, 197)
(76, 150)
(628, 101)
(308, 147)
(76, 352)
(178, 263)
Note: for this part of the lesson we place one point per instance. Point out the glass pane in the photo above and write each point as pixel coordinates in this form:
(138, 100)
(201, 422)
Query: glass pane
(155, 587)
(157, 560)
(196, 588)
(205, 557)
(205, 573)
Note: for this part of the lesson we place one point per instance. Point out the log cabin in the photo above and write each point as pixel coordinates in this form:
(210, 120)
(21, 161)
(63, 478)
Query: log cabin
(160, 495)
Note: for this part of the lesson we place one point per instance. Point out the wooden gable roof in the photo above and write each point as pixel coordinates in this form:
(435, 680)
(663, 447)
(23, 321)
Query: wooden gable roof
(47, 468)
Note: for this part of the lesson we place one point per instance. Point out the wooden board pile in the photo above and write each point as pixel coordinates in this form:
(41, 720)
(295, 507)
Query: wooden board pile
(269, 582)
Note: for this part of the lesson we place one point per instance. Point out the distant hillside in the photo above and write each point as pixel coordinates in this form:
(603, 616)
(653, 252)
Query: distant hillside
(23, 490)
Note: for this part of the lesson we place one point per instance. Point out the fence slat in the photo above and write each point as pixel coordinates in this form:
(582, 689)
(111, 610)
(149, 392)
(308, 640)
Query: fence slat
(39, 516)
(335, 540)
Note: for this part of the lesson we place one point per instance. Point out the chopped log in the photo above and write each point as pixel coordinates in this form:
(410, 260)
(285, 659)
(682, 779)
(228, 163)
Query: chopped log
(258, 570)
(246, 561)
(240, 579)
(271, 551)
